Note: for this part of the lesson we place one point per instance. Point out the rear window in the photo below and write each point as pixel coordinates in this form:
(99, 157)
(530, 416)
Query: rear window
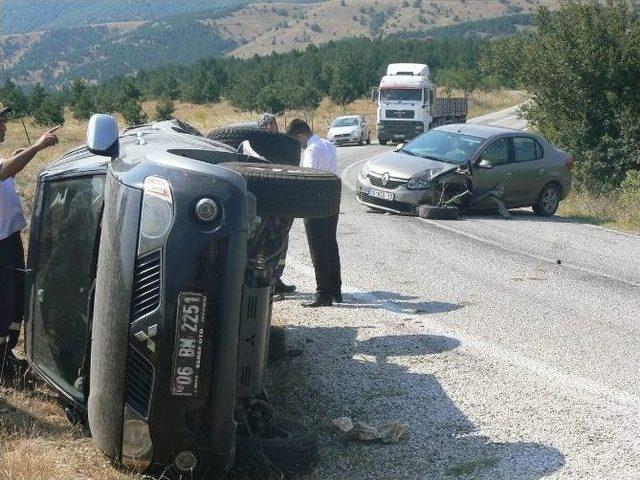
(526, 149)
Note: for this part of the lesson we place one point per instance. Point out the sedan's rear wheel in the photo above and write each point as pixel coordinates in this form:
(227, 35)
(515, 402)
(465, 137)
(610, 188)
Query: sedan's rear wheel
(548, 201)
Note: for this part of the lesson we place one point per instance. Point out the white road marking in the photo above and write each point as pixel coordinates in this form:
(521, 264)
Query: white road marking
(572, 384)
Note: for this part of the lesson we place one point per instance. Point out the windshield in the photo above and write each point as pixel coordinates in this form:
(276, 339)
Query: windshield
(345, 122)
(401, 94)
(449, 147)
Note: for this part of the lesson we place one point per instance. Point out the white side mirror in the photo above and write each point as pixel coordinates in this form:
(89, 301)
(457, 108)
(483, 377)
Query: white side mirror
(102, 135)
(399, 147)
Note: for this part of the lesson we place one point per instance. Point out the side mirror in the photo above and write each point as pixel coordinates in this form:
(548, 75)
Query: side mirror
(102, 135)
(484, 163)
(399, 147)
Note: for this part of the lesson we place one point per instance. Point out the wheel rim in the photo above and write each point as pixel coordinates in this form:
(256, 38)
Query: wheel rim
(549, 199)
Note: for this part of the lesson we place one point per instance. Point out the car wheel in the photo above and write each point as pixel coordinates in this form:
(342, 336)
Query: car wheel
(291, 448)
(369, 139)
(438, 213)
(383, 142)
(361, 141)
(291, 192)
(275, 147)
(548, 201)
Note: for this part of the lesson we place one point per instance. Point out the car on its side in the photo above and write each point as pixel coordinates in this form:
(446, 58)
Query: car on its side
(151, 261)
(529, 170)
(349, 130)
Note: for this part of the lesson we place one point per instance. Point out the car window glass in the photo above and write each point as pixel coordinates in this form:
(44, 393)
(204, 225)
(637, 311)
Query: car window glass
(497, 153)
(345, 122)
(398, 94)
(539, 150)
(450, 147)
(67, 234)
(525, 149)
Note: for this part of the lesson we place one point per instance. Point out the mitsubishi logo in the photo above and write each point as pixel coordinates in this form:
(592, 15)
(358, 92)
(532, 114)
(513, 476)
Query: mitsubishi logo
(385, 179)
(147, 336)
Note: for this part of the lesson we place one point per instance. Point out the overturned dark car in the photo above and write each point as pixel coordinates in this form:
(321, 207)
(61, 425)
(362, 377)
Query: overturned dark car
(151, 264)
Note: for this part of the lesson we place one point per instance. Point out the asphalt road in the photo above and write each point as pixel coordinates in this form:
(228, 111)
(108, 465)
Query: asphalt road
(510, 348)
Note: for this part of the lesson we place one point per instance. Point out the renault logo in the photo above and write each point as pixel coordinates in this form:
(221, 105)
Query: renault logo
(385, 179)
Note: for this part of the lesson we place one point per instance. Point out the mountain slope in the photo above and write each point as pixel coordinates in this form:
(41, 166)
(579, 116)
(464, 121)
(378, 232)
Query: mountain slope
(20, 16)
(236, 27)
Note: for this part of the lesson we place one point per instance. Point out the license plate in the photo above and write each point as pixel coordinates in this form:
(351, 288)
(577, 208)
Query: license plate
(380, 194)
(187, 353)
(398, 136)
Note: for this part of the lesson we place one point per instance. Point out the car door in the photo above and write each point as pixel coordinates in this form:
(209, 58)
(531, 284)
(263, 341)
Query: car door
(528, 169)
(61, 254)
(493, 169)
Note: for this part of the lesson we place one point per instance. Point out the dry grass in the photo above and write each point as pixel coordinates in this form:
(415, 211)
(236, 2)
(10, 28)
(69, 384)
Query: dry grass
(616, 210)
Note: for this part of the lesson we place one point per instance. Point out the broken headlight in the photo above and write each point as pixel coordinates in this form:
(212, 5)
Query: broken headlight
(417, 184)
(157, 214)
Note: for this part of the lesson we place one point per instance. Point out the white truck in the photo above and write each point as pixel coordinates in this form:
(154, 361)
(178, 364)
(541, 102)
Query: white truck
(407, 104)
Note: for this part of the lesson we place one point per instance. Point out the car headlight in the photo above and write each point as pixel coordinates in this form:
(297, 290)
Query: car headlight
(417, 184)
(157, 214)
(364, 170)
(137, 448)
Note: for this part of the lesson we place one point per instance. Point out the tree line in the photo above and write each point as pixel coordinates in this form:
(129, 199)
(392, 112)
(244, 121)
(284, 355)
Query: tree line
(343, 70)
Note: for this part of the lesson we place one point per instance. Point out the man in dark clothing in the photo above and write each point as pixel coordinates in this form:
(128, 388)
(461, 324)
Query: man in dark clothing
(268, 122)
(321, 232)
(12, 221)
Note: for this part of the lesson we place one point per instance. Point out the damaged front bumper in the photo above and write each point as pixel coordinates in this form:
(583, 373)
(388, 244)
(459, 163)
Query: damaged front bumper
(395, 197)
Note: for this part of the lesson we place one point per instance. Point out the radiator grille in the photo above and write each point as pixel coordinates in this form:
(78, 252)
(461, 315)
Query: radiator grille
(146, 285)
(139, 383)
(391, 184)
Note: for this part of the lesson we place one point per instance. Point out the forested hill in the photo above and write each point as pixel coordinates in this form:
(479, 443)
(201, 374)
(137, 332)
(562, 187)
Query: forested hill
(22, 16)
(144, 37)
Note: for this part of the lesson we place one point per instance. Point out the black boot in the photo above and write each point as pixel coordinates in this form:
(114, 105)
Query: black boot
(279, 288)
(337, 297)
(319, 300)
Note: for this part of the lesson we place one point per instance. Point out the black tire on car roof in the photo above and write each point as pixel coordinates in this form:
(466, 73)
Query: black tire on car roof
(275, 147)
(291, 192)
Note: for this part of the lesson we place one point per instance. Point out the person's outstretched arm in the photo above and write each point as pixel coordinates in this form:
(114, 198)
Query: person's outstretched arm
(14, 165)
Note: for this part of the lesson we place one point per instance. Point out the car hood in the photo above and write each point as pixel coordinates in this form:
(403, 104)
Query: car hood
(342, 130)
(401, 165)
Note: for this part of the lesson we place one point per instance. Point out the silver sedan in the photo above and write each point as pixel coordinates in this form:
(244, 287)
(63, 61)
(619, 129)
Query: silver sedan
(524, 167)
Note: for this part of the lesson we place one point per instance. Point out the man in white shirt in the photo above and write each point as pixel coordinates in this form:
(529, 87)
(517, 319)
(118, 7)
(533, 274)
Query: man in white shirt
(12, 221)
(321, 232)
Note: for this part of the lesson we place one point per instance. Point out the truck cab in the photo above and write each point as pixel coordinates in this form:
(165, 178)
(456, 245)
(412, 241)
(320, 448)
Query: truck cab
(407, 104)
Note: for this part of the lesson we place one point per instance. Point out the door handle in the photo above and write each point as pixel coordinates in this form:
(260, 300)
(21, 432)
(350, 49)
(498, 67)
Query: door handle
(40, 294)
(542, 170)
(508, 174)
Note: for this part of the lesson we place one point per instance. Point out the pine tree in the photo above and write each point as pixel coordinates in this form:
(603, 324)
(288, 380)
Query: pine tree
(164, 110)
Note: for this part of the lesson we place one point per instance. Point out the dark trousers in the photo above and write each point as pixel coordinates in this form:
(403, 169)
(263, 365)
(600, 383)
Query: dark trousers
(279, 270)
(323, 244)
(11, 290)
